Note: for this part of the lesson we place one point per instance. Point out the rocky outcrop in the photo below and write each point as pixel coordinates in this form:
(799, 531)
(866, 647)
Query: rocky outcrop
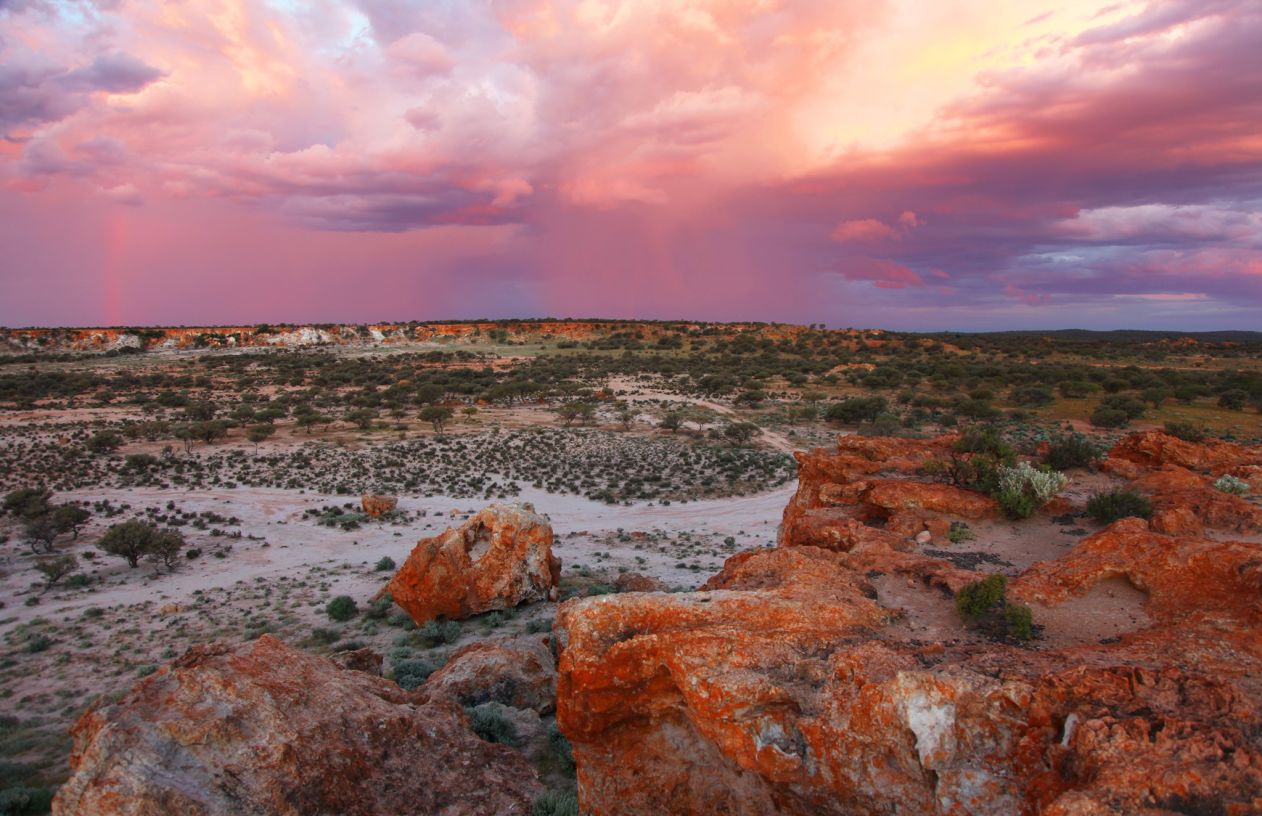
(854, 481)
(378, 506)
(1176, 489)
(516, 672)
(266, 729)
(786, 686)
(499, 558)
(635, 582)
(1154, 449)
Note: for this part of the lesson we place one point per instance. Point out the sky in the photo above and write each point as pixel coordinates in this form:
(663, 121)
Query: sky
(960, 164)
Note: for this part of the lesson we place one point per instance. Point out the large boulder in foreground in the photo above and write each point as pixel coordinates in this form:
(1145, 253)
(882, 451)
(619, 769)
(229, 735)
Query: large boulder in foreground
(784, 687)
(499, 558)
(268, 729)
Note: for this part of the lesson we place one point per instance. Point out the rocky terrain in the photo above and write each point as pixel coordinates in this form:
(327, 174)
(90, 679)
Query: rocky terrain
(839, 672)
(785, 685)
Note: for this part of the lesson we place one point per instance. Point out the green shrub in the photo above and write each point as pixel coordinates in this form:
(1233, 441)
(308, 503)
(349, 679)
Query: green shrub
(1232, 485)
(1019, 621)
(385, 564)
(1023, 489)
(539, 625)
(39, 643)
(856, 409)
(1107, 508)
(1071, 451)
(489, 723)
(1186, 431)
(959, 532)
(979, 597)
(411, 674)
(555, 803)
(1109, 418)
(1032, 396)
(342, 608)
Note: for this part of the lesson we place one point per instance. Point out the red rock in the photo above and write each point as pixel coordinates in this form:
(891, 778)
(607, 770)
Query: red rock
(377, 506)
(499, 558)
(1154, 449)
(891, 496)
(267, 729)
(775, 691)
(1177, 521)
(517, 672)
(1175, 488)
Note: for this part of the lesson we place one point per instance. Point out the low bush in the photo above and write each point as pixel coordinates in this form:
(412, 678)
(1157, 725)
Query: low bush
(489, 723)
(411, 674)
(1023, 489)
(979, 597)
(1107, 508)
(1232, 485)
(1071, 451)
(1109, 418)
(984, 603)
(385, 564)
(342, 608)
(1187, 431)
(555, 803)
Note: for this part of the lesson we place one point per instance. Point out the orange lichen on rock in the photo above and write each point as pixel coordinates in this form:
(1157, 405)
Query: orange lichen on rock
(782, 687)
(1154, 449)
(267, 729)
(1176, 489)
(517, 672)
(499, 558)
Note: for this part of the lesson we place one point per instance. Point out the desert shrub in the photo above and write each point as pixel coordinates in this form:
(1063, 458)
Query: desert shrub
(1071, 451)
(959, 532)
(1232, 485)
(1023, 489)
(979, 597)
(856, 409)
(1134, 407)
(380, 608)
(105, 442)
(1032, 396)
(385, 564)
(342, 608)
(555, 803)
(1187, 431)
(39, 643)
(539, 625)
(1109, 418)
(134, 539)
(489, 723)
(411, 674)
(1019, 621)
(1234, 399)
(976, 408)
(1107, 508)
(27, 502)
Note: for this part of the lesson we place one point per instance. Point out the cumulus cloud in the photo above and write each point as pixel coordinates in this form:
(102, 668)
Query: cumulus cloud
(1083, 153)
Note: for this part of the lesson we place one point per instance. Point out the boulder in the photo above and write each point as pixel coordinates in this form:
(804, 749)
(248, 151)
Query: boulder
(1154, 449)
(378, 506)
(267, 729)
(499, 558)
(516, 672)
(635, 582)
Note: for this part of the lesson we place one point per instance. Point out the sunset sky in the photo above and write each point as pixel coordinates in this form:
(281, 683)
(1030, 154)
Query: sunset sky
(959, 164)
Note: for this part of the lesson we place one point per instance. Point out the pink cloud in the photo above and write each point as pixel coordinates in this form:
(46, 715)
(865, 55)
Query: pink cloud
(863, 230)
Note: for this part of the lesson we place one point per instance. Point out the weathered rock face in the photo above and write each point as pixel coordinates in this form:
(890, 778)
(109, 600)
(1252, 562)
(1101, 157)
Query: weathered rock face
(1175, 489)
(1154, 449)
(266, 729)
(378, 506)
(517, 672)
(785, 687)
(499, 558)
(635, 582)
(848, 483)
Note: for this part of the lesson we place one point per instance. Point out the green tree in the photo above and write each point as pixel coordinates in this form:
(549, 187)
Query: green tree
(739, 433)
(41, 531)
(436, 415)
(27, 502)
(105, 442)
(671, 422)
(165, 547)
(54, 569)
(259, 433)
(361, 417)
(70, 518)
(131, 540)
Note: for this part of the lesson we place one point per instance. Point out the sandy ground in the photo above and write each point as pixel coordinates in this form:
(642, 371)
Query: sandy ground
(681, 532)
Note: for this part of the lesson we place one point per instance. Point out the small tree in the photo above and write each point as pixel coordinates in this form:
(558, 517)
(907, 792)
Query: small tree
(70, 518)
(436, 415)
(165, 548)
(625, 415)
(259, 433)
(671, 422)
(55, 569)
(41, 531)
(105, 442)
(27, 502)
(361, 417)
(130, 540)
(739, 433)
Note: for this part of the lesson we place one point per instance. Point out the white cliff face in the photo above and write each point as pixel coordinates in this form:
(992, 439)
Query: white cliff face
(305, 336)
